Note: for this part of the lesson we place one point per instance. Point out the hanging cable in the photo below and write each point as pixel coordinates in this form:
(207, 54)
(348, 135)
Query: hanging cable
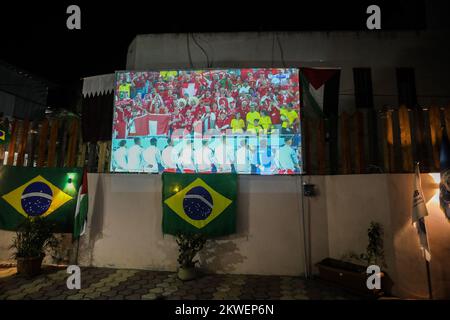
(188, 47)
(273, 50)
(211, 50)
(281, 50)
(303, 222)
(203, 50)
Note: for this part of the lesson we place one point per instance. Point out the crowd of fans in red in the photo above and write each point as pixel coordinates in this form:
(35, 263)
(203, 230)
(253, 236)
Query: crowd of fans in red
(242, 100)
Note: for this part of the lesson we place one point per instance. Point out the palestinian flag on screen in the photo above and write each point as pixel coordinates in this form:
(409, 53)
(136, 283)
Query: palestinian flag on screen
(199, 204)
(320, 89)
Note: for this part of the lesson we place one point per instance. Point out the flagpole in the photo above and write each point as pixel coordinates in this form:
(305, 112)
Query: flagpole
(427, 263)
(430, 290)
(78, 250)
(305, 238)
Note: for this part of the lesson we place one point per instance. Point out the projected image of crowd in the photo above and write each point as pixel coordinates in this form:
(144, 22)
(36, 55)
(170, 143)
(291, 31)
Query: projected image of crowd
(237, 120)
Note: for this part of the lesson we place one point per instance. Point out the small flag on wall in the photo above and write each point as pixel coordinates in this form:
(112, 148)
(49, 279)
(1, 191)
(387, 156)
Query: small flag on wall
(444, 185)
(316, 84)
(4, 135)
(81, 210)
(48, 193)
(419, 212)
(199, 204)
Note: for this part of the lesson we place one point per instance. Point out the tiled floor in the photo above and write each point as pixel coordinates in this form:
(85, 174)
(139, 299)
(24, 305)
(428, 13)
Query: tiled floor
(103, 283)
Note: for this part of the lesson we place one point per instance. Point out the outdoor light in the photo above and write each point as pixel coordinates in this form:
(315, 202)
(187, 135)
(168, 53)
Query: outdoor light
(434, 187)
(308, 190)
(69, 183)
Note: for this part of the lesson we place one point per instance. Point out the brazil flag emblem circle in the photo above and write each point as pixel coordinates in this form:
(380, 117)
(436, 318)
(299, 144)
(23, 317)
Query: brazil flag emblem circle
(36, 198)
(198, 203)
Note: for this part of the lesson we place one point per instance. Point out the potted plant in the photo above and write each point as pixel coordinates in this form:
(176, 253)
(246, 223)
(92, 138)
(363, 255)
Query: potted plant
(351, 271)
(33, 237)
(188, 247)
(374, 254)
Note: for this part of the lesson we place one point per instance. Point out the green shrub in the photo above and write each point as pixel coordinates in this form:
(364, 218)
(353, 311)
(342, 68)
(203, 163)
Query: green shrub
(32, 238)
(188, 246)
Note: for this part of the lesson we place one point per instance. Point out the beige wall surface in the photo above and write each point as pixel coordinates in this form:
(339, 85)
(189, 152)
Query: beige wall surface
(353, 201)
(124, 227)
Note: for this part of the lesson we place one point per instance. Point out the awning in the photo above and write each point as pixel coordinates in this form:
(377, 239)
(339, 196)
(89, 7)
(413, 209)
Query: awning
(98, 85)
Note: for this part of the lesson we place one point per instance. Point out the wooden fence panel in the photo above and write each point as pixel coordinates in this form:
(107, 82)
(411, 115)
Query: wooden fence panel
(51, 159)
(358, 121)
(62, 138)
(72, 147)
(81, 158)
(23, 142)
(12, 142)
(57, 142)
(405, 139)
(43, 134)
(92, 156)
(101, 156)
(108, 155)
(307, 146)
(346, 166)
(33, 143)
(2, 145)
(390, 141)
(436, 133)
(321, 150)
(420, 138)
(447, 120)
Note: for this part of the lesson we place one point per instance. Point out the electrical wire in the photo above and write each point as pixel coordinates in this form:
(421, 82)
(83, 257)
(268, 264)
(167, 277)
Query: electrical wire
(281, 50)
(203, 50)
(188, 47)
(273, 50)
(211, 50)
(303, 227)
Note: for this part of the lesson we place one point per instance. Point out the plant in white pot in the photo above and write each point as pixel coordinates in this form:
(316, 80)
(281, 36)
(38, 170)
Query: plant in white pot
(188, 247)
(33, 237)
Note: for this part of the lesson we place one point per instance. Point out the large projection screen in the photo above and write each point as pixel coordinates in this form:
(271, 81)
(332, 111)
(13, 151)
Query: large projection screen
(245, 121)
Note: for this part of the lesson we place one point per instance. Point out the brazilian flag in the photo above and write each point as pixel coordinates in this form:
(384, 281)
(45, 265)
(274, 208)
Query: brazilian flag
(49, 193)
(199, 204)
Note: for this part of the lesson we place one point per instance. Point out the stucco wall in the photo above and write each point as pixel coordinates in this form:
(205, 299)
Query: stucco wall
(383, 52)
(125, 230)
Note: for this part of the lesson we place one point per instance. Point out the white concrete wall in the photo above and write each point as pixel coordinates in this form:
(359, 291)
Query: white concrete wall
(426, 51)
(124, 228)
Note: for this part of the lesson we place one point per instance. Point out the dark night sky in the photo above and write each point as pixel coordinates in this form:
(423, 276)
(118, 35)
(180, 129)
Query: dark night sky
(35, 37)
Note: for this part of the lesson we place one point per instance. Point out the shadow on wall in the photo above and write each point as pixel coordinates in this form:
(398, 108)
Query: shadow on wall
(95, 231)
(65, 249)
(220, 256)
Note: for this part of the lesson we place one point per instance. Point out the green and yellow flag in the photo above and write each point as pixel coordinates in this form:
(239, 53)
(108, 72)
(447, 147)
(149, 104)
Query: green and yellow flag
(4, 135)
(50, 193)
(199, 204)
